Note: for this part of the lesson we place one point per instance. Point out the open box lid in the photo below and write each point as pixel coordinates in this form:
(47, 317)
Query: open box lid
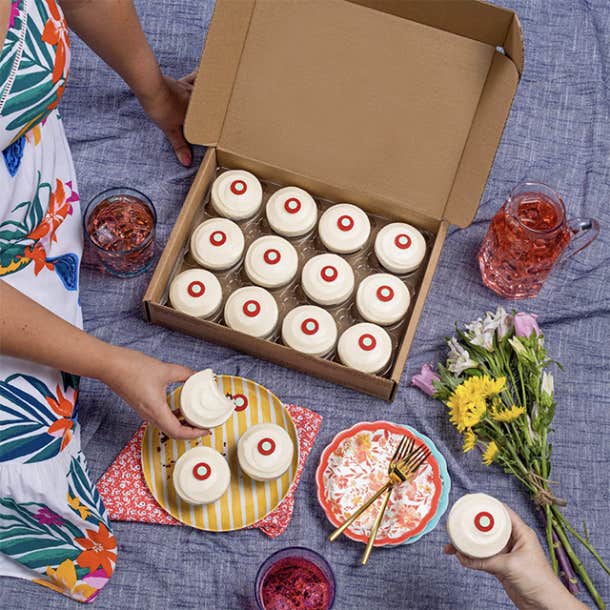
(403, 101)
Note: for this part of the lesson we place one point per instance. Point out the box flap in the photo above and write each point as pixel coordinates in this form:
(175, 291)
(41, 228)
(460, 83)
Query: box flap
(310, 85)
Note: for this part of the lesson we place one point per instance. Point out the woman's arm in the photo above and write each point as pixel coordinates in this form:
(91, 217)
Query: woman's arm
(31, 332)
(111, 28)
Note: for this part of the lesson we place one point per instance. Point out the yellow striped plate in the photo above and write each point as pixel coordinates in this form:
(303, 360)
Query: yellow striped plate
(246, 500)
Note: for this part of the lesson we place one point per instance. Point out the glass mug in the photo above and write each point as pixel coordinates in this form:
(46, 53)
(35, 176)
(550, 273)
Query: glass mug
(526, 237)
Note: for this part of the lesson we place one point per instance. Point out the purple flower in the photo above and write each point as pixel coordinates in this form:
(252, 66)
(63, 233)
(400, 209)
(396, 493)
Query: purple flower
(424, 380)
(525, 324)
(45, 516)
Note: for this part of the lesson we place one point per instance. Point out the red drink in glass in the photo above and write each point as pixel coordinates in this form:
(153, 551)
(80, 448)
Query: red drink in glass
(526, 238)
(120, 224)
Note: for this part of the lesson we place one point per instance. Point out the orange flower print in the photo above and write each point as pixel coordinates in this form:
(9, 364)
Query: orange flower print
(100, 550)
(56, 33)
(64, 580)
(407, 517)
(362, 446)
(39, 255)
(60, 206)
(64, 407)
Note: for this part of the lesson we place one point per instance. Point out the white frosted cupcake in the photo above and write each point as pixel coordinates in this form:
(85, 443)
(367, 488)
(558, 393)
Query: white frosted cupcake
(400, 248)
(382, 299)
(365, 347)
(271, 261)
(237, 194)
(344, 228)
(196, 292)
(327, 279)
(217, 244)
(292, 212)
(252, 310)
(202, 403)
(265, 452)
(479, 526)
(310, 329)
(201, 476)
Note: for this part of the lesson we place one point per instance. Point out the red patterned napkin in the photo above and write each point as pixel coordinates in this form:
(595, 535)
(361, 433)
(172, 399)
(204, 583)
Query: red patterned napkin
(127, 497)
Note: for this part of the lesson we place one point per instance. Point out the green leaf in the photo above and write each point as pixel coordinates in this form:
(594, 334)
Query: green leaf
(28, 100)
(48, 557)
(26, 80)
(26, 544)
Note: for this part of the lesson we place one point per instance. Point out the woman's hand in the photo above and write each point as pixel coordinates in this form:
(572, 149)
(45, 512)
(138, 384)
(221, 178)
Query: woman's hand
(523, 571)
(142, 382)
(167, 108)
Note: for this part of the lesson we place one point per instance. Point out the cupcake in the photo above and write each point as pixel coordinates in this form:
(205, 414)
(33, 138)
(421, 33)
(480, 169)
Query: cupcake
(400, 248)
(265, 452)
(201, 476)
(217, 244)
(382, 298)
(310, 329)
(479, 526)
(271, 261)
(344, 228)
(252, 310)
(327, 279)
(292, 212)
(196, 292)
(365, 347)
(202, 403)
(237, 194)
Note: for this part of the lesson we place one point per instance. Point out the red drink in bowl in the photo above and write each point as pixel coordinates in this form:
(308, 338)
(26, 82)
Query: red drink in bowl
(295, 579)
(120, 224)
(527, 236)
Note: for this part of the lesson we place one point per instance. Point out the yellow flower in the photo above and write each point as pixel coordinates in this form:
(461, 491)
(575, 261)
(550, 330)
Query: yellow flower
(507, 415)
(63, 580)
(467, 404)
(470, 440)
(490, 453)
(75, 504)
(491, 387)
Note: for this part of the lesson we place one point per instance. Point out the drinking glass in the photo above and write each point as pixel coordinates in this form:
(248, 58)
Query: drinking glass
(295, 575)
(527, 237)
(120, 226)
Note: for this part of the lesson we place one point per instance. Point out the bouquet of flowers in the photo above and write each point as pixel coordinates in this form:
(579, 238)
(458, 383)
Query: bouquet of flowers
(501, 399)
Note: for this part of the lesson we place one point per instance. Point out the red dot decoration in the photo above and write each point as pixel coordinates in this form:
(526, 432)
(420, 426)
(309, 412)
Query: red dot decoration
(402, 241)
(310, 326)
(218, 238)
(329, 273)
(266, 446)
(241, 402)
(196, 289)
(385, 293)
(272, 256)
(367, 342)
(484, 521)
(252, 308)
(202, 471)
(292, 205)
(238, 187)
(345, 223)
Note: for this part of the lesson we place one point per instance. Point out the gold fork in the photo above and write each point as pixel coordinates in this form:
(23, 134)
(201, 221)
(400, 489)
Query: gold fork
(403, 464)
(402, 471)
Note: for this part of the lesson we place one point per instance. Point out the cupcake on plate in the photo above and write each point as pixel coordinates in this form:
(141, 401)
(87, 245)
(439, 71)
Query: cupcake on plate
(201, 476)
(202, 403)
(265, 452)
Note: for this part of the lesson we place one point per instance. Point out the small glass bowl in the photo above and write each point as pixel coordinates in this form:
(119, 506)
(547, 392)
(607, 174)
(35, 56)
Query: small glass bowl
(118, 261)
(300, 554)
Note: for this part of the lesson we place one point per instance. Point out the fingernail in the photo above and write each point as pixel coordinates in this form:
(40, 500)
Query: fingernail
(185, 158)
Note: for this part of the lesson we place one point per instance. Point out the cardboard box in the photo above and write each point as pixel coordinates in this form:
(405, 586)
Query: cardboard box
(396, 106)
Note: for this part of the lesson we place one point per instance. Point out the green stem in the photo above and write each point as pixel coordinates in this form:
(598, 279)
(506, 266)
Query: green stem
(549, 539)
(562, 519)
(578, 565)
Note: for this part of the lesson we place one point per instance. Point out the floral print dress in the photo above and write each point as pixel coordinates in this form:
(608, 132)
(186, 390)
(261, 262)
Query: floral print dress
(54, 529)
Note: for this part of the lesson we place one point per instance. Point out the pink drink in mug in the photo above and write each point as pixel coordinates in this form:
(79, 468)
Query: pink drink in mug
(527, 236)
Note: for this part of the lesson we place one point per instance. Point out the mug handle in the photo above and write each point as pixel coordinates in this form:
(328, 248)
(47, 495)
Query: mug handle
(584, 231)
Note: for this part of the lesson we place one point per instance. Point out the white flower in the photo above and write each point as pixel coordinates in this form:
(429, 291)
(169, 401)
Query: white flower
(459, 359)
(518, 347)
(504, 322)
(481, 332)
(547, 384)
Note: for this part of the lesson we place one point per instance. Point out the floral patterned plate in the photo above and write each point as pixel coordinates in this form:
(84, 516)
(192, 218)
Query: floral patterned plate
(354, 466)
